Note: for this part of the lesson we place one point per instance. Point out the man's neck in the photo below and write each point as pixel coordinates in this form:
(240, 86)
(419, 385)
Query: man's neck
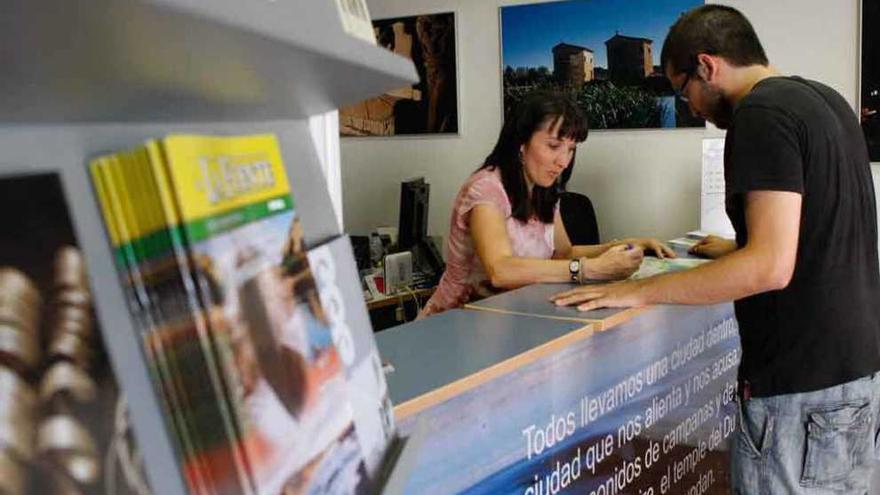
(743, 79)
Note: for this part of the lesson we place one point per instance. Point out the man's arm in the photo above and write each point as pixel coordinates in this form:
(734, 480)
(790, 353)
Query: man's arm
(765, 263)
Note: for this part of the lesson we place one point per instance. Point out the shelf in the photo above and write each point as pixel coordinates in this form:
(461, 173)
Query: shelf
(184, 61)
(85, 77)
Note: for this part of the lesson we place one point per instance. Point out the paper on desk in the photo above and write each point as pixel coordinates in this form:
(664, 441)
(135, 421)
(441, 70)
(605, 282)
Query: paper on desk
(685, 242)
(655, 266)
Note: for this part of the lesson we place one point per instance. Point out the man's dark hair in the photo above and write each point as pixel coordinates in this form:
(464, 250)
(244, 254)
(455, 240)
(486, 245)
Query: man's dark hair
(538, 109)
(714, 30)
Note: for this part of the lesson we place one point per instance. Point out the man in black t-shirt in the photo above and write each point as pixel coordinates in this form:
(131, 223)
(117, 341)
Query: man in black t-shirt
(803, 270)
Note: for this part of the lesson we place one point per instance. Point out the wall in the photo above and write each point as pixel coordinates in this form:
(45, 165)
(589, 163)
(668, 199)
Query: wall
(641, 182)
(325, 135)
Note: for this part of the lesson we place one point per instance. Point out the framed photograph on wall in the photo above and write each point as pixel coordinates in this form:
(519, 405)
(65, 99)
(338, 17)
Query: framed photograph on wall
(606, 53)
(870, 80)
(427, 107)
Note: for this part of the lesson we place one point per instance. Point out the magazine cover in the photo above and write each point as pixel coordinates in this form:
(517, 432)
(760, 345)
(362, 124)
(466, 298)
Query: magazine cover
(155, 280)
(63, 422)
(284, 376)
(209, 248)
(336, 274)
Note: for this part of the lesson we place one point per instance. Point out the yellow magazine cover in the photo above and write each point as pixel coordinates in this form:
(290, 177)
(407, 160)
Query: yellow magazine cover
(240, 345)
(189, 333)
(157, 300)
(284, 375)
(120, 207)
(175, 336)
(154, 277)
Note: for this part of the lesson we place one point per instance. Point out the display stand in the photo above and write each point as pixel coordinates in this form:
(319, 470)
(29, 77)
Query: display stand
(87, 77)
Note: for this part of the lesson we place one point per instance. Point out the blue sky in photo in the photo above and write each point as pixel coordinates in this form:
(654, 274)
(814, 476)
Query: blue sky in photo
(529, 32)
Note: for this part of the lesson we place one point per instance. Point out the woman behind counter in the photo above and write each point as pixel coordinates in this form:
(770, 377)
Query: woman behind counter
(506, 230)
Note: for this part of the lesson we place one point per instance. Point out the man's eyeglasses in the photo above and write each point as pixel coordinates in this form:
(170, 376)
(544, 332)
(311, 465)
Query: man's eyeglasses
(679, 93)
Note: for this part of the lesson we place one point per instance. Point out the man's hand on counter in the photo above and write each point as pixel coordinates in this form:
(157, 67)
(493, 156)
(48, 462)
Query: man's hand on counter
(615, 295)
(713, 247)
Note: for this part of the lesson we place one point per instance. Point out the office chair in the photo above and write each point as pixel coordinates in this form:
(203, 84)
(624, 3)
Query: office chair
(579, 218)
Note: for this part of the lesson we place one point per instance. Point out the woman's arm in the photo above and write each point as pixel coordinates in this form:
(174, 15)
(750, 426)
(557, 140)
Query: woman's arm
(564, 249)
(593, 250)
(646, 243)
(507, 271)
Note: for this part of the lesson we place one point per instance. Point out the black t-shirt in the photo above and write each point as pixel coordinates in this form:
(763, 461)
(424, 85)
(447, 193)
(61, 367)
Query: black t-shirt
(791, 134)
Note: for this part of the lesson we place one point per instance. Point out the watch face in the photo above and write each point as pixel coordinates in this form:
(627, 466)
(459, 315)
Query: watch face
(574, 266)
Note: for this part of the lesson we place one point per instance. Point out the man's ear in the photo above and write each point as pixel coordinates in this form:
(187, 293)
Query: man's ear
(707, 67)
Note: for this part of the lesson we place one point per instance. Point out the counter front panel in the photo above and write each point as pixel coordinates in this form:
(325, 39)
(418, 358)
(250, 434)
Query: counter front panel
(644, 408)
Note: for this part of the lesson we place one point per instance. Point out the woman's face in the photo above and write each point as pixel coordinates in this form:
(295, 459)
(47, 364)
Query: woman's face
(545, 156)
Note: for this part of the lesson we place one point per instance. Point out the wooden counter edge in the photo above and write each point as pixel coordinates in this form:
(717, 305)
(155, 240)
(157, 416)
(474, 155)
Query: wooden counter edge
(441, 394)
(599, 325)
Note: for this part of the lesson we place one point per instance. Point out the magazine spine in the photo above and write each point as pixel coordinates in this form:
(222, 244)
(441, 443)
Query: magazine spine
(103, 172)
(193, 287)
(143, 205)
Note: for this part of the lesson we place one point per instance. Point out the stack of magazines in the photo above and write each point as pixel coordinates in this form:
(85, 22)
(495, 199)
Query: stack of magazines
(241, 350)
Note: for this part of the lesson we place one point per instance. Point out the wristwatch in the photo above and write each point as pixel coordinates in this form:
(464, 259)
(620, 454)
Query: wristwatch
(574, 269)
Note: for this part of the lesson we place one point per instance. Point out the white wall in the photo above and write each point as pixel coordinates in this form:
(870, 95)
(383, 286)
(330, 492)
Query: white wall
(641, 182)
(325, 136)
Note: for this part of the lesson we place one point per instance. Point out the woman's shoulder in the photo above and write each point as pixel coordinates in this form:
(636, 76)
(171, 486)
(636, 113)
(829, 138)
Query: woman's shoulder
(488, 174)
(483, 186)
(483, 181)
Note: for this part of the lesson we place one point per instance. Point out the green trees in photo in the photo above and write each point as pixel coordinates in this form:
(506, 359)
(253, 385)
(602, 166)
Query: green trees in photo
(606, 105)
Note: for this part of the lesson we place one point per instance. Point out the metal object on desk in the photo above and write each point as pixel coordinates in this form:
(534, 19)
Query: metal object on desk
(398, 269)
(376, 249)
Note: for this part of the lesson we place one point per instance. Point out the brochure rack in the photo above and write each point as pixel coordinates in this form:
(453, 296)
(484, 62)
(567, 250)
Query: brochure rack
(86, 77)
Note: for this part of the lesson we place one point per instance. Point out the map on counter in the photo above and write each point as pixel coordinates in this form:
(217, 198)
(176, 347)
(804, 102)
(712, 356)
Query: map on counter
(655, 266)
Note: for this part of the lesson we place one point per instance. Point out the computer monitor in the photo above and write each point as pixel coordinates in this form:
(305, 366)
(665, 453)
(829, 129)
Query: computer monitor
(413, 226)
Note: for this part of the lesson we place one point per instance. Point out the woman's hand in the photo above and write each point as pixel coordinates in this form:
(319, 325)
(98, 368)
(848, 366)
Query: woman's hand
(660, 249)
(619, 262)
(713, 247)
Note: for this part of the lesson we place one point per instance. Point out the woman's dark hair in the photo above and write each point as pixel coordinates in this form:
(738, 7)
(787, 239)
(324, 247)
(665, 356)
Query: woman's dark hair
(539, 109)
(714, 30)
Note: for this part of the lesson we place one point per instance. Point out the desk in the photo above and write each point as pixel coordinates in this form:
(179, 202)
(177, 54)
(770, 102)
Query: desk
(459, 350)
(514, 401)
(383, 301)
(384, 310)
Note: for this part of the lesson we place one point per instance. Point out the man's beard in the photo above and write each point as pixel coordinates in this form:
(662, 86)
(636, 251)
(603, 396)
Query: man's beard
(719, 109)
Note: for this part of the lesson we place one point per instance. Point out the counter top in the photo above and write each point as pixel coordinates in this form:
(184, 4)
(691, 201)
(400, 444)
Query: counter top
(534, 300)
(460, 349)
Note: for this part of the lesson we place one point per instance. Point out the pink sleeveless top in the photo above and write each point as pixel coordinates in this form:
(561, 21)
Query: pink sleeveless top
(465, 278)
